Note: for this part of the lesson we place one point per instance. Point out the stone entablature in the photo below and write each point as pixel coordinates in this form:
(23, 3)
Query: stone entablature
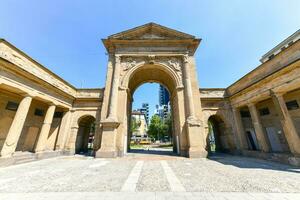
(89, 93)
(212, 93)
(282, 81)
(280, 61)
(24, 62)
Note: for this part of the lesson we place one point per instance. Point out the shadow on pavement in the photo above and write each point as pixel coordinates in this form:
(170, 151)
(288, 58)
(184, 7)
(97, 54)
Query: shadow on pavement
(247, 162)
(164, 152)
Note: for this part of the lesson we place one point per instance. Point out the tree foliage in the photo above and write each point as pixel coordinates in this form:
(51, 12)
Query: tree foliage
(158, 128)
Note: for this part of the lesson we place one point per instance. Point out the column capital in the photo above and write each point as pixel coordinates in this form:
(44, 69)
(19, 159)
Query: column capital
(118, 59)
(234, 108)
(52, 104)
(31, 95)
(185, 58)
(251, 104)
(276, 93)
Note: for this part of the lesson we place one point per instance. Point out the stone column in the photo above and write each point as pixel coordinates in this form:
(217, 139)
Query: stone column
(260, 133)
(287, 123)
(113, 104)
(97, 137)
(111, 123)
(64, 129)
(188, 88)
(194, 126)
(71, 145)
(41, 144)
(16, 127)
(239, 129)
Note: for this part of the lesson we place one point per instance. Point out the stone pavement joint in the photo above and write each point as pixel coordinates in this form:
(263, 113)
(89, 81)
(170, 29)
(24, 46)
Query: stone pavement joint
(131, 182)
(175, 184)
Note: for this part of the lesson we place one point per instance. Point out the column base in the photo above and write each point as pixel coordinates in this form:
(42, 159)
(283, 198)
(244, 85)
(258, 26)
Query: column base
(105, 154)
(109, 132)
(197, 153)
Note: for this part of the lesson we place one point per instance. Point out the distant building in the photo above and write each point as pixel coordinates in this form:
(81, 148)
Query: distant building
(281, 46)
(142, 127)
(162, 111)
(145, 111)
(164, 97)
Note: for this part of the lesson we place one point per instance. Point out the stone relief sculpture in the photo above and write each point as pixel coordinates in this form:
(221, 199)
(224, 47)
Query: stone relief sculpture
(174, 63)
(129, 63)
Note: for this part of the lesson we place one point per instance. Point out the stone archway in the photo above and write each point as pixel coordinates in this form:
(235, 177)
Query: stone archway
(216, 129)
(85, 135)
(152, 53)
(219, 137)
(149, 74)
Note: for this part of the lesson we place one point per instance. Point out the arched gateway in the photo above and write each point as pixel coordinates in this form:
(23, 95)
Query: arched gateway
(255, 116)
(151, 53)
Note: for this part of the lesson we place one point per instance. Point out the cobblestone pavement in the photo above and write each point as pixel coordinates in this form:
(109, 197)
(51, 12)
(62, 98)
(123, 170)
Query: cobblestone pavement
(150, 176)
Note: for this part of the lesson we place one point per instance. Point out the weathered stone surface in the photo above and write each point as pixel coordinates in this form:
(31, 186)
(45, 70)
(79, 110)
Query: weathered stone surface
(153, 53)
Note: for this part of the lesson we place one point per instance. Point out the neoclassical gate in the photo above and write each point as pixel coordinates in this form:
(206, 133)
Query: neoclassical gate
(151, 53)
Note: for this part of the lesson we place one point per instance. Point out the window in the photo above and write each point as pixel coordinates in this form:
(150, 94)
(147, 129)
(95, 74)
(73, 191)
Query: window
(271, 56)
(12, 106)
(264, 111)
(292, 105)
(58, 114)
(39, 112)
(245, 114)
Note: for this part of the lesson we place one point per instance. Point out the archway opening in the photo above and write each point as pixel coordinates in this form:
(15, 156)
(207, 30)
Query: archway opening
(151, 122)
(216, 141)
(151, 94)
(85, 135)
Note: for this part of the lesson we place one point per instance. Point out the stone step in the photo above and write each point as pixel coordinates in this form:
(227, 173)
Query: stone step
(23, 157)
(24, 160)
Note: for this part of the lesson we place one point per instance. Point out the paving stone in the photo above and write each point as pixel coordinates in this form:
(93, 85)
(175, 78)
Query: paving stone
(228, 177)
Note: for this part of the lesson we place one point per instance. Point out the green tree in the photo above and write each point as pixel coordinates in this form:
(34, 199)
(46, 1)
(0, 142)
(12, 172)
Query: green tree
(158, 128)
(168, 125)
(155, 127)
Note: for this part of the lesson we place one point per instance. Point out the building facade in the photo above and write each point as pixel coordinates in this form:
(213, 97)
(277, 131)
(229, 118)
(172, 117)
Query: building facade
(145, 111)
(41, 115)
(140, 127)
(163, 95)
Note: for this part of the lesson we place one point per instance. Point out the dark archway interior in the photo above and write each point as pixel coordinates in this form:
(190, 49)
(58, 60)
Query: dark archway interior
(216, 129)
(85, 135)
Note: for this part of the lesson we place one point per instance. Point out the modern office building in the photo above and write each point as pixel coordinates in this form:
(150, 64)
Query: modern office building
(145, 111)
(164, 97)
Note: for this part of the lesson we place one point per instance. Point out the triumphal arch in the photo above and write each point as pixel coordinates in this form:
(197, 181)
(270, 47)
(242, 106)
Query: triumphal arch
(152, 53)
(42, 115)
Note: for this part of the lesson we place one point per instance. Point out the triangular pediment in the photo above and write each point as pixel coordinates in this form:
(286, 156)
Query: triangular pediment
(151, 31)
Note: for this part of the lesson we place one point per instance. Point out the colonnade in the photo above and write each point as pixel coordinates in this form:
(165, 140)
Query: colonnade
(15, 130)
(286, 121)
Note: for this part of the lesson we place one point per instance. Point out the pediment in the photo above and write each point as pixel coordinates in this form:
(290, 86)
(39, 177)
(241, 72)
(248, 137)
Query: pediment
(151, 31)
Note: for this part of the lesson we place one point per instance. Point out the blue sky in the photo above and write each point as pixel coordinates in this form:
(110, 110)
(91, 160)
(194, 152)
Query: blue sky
(65, 36)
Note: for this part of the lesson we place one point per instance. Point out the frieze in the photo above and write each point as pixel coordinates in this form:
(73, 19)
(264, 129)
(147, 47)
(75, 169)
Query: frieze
(25, 64)
(129, 62)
